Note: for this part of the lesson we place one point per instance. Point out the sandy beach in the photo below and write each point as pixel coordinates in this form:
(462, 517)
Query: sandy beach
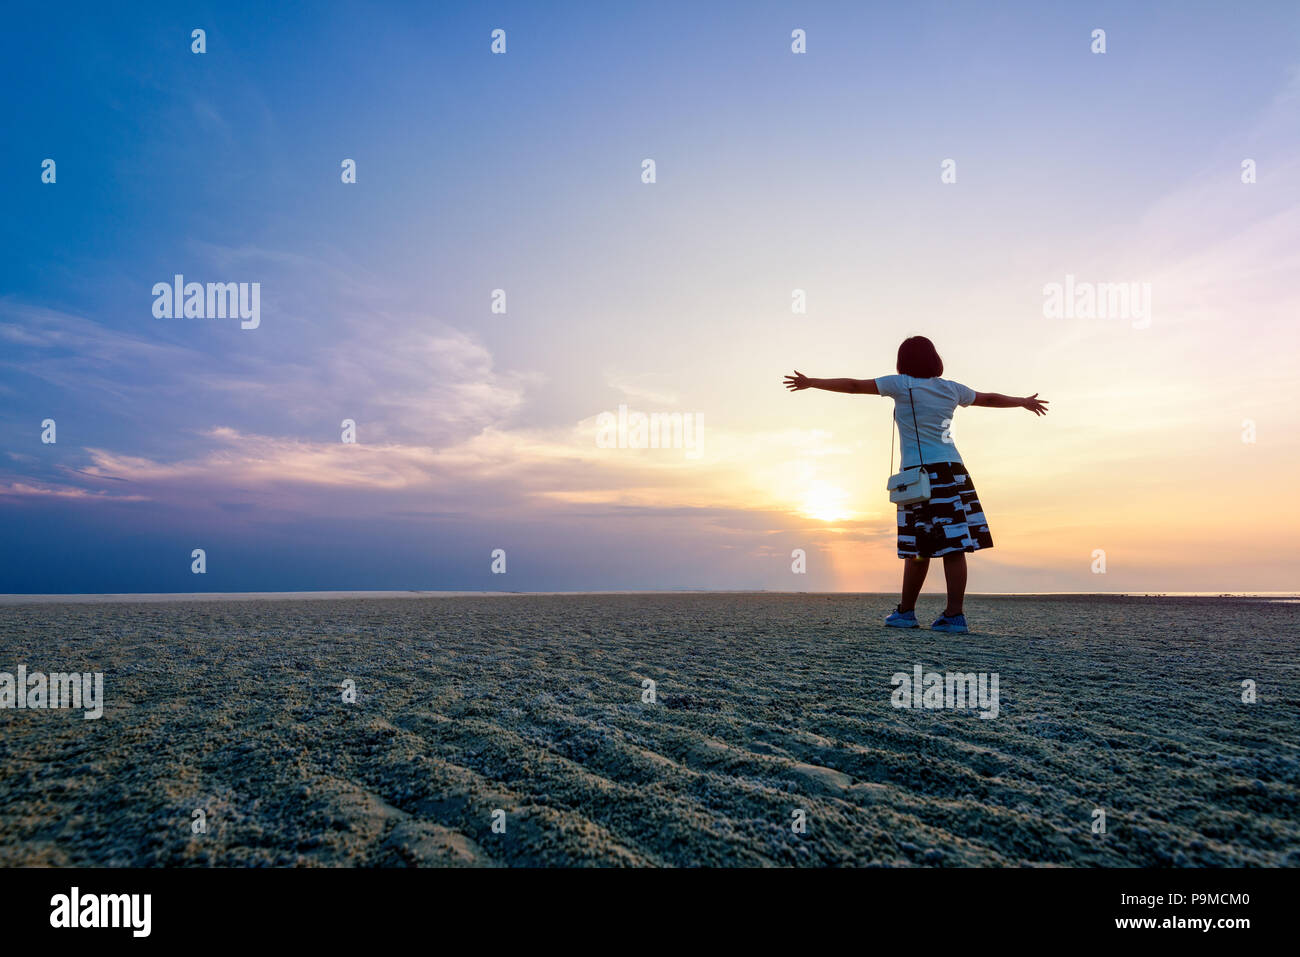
(765, 706)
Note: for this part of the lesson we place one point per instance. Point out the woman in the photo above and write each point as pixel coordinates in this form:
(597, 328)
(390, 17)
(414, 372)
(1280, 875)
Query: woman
(951, 522)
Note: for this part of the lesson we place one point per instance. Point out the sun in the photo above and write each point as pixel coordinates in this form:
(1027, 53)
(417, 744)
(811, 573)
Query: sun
(825, 502)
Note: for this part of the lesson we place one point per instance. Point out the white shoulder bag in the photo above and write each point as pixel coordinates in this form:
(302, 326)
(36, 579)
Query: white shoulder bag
(908, 486)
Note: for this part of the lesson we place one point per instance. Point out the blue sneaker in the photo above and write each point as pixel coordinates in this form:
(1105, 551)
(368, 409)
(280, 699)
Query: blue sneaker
(956, 625)
(902, 619)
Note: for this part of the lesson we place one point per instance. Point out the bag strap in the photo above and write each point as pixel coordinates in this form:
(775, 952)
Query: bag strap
(893, 423)
(919, 454)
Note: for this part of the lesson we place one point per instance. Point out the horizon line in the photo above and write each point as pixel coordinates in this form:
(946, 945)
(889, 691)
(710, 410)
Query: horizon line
(324, 594)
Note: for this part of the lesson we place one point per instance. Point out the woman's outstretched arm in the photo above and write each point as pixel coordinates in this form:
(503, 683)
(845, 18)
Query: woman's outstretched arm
(799, 381)
(996, 400)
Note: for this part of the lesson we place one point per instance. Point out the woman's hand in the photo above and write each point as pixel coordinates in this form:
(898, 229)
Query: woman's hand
(797, 382)
(1035, 405)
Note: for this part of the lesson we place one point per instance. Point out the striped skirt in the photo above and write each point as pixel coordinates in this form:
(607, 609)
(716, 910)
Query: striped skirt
(951, 521)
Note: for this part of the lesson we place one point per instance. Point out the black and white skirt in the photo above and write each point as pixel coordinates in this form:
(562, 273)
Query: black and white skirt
(951, 521)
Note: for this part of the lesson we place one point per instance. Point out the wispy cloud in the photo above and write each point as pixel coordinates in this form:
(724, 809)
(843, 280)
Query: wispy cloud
(24, 490)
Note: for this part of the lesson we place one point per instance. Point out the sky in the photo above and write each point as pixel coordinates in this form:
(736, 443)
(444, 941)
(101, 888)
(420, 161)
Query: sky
(1167, 462)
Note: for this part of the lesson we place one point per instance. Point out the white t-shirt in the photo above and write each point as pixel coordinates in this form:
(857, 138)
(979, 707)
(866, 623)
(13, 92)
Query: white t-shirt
(936, 400)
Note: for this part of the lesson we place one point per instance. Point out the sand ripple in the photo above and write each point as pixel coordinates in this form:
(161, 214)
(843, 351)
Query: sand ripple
(765, 705)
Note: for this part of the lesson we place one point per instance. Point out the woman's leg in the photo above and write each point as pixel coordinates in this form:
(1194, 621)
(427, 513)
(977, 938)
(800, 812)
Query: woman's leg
(914, 570)
(954, 573)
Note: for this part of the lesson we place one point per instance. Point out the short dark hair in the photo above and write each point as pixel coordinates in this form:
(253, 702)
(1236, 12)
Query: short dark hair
(918, 358)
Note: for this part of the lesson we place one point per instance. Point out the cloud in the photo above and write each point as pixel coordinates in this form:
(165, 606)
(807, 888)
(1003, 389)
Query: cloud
(76, 354)
(26, 490)
(527, 473)
(402, 378)
(642, 387)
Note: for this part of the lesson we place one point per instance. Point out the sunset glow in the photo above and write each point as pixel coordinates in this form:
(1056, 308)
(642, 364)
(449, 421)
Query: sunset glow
(478, 304)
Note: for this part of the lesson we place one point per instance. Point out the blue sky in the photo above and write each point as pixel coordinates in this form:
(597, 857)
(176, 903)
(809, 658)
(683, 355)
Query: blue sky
(522, 171)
